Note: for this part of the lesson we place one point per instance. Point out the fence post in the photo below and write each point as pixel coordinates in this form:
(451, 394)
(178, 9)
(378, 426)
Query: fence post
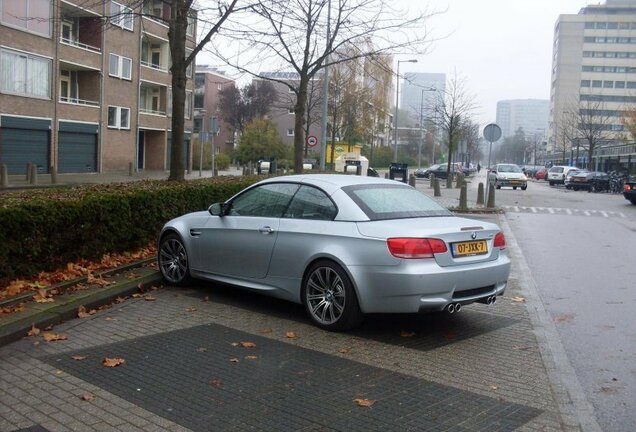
(28, 172)
(53, 171)
(33, 178)
(411, 180)
(491, 197)
(463, 198)
(4, 176)
(432, 180)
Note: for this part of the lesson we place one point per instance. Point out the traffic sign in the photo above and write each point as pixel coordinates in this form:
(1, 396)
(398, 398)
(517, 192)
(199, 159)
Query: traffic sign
(492, 132)
(311, 140)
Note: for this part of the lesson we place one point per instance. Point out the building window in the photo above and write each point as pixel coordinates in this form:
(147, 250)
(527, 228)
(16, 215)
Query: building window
(33, 16)
(121, 16)
(118, 117)
(619, 84)
(290, 111)
(197, 125)
(169, 103)
(25, 74)
(219, 87)
(608, 84)
(120, 67)
(597, 83)
(153, 8)
(189, 69)
(585, 83)
(188, 105)
(192, 20)
(631, 84)
(290, 132)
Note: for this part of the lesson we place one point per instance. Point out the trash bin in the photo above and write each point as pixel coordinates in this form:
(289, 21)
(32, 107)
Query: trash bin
(266, 166)
(399, 172)
(353, 167)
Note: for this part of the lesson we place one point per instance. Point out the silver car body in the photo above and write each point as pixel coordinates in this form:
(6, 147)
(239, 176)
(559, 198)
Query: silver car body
(271, 255)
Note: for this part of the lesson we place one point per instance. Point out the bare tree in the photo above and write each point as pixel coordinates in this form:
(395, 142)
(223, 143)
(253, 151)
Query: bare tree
(589, 124)
(239, 106)
(295, 33)
(454, 109)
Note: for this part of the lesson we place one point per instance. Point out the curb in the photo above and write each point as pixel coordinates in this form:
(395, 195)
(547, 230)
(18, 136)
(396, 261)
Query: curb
(65, 311)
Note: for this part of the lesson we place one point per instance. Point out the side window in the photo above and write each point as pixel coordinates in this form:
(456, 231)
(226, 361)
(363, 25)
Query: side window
(269, 200)
(311, 203)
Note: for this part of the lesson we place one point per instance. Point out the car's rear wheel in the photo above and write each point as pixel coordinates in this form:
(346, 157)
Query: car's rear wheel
(498, 186)
(173, 260)
(514, 188)
(329, 297)
(633, 201)
(551, 183)
(524, 187)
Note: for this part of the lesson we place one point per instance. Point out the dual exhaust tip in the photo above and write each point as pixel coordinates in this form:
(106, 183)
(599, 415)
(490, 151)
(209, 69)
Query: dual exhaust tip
(456, 307)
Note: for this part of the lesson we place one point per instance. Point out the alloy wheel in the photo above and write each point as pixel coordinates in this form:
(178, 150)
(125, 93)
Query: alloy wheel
(173, 260)
(325, 295)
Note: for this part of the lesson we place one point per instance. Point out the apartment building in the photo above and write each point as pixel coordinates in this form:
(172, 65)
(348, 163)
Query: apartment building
(594, 71)
(282, 108)
(85, 86)
(208, 83)
(420, 93)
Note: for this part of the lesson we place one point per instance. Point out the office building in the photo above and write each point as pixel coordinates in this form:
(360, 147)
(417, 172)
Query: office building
(529, 114)
(419, 93)
(594, 75)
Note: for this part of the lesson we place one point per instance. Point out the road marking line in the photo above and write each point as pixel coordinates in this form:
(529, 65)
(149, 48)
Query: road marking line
(604, 214)
(551, 210)
(568, 211)
(534, 209)
(587, 213)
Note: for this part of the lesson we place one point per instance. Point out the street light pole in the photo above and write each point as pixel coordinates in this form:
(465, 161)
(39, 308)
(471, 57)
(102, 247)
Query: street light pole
(397, 96)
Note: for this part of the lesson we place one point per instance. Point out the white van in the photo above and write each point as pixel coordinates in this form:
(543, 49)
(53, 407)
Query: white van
(556, 174)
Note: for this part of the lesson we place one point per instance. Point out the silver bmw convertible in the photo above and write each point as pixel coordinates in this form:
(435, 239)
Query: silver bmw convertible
(343, 246)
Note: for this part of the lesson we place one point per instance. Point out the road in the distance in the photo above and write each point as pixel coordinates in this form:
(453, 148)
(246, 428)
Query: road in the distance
(581, 250)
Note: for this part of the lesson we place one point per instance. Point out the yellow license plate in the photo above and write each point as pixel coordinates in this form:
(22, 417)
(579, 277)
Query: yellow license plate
(469, 248)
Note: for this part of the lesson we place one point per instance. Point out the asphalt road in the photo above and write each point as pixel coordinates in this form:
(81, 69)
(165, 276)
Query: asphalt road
(579, 248)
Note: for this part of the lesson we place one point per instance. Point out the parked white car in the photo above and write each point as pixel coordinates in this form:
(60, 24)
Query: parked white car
(557, 174)
(509, 175)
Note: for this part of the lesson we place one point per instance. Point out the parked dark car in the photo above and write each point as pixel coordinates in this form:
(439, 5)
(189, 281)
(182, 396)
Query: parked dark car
(371, 172)
(439, 170)
(629, 189)
(593, 181)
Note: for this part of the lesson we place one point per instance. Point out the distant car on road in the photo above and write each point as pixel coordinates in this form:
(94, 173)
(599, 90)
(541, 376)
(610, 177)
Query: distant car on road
(568, 178)
(629, 189)
(340, 245)
(371, 172)
(439, 170)
(509, 175)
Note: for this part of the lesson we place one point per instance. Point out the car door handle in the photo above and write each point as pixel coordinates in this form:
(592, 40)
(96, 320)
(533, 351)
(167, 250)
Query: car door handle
(266, 230)
(195, 233)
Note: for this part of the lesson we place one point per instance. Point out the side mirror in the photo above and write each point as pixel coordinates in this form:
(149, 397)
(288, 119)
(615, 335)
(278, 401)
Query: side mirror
(216, 209)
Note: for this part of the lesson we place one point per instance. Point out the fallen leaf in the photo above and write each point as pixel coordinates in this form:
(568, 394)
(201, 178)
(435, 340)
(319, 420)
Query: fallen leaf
(206, 299)
(113, 362)
(133, 276)
(493, 387)
(52, 337)
(216, 382)
(34, 331)
(191, 309)
(154, 288)
(265, 330)
(234, 344)
(250, 357)
(201, 349)
(406, 334)
(81, 312)
(234, 360)
(563, 318)
(110, 319)
(343, 350)
(365, 402)
(58, 372)
(518, 299)
(78, 357)
(141, 286)
(137, 295)
(248, 344)
(291, 335)
(525, 348)
(88, 396)
(149, 298)
(120, 299)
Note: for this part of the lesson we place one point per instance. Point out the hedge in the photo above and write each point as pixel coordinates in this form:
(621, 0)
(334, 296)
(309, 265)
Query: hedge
(42, 230)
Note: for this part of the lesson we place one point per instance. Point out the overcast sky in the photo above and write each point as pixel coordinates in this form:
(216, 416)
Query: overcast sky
(503, 48)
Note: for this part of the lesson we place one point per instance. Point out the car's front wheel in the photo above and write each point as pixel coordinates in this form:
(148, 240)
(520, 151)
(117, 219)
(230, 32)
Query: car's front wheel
(173, 260)
(524, 187)
(329, 297)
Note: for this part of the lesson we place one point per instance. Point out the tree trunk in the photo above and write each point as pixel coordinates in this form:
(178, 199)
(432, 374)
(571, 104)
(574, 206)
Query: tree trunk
(299, 124)
(177, 38)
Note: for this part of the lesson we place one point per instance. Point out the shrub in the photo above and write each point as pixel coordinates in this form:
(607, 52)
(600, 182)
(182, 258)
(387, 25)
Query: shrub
(42, 230)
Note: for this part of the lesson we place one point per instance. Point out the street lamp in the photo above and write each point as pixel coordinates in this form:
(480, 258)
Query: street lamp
(397, 95)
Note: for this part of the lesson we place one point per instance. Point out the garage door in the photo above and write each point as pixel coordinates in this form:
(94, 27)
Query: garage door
(77, 144)
(24, 140)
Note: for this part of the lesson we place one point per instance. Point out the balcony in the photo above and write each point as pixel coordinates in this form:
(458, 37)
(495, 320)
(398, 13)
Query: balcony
(152, 105)
(80, 35)
(79, 92)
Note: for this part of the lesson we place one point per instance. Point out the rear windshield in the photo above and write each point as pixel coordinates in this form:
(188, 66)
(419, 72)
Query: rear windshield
(508, 168)
(386, 201)
(556, 169)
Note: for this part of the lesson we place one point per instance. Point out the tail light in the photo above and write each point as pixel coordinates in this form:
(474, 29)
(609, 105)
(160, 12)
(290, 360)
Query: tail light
(414, 248)
(500, 241)
(627, 187)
